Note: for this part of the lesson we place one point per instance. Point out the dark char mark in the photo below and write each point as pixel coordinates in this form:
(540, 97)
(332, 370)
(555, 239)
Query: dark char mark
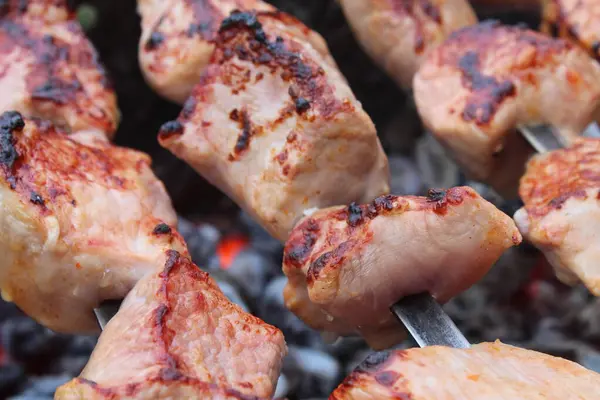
(435, 195)
(155, 40)
(488, 92)
(355, 215)
(170, 128)
(161, 229)
(299, 251)
(35, 198)
(10, 121)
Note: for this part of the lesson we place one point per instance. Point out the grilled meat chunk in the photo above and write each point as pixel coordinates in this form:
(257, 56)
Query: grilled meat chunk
(575, 20)
(177, 39)
(50, 70)
(347, 265)
(490, 371)
(476, 88)
(561, 192)
(398, 34)
(177, 336)
(78, 222)
(276, 128)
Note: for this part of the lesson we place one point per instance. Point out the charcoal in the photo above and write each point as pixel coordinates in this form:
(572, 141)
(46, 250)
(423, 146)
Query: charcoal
(405, 176)
(252, 270)
(69, 364)
(283, 387)
(260, 239)
(42, 388)
(29, 343)
(271, 309)
(232, 293)
(12, 377)
(435, 166)
(316, 373)
(591, 361)
(201, 239)
(8, 310)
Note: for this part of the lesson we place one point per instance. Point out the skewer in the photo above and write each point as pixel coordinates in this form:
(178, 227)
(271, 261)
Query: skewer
(428, 323)
(106, 311)
(422, 316)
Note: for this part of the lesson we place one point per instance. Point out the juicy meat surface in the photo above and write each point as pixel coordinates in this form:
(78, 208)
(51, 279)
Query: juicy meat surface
(347, 265)
(398, 34)
(81, 221)
(177, 40)
(50, 70)
(476, 88)
(575, 20)
(277, 128)
(177, 336)
(561, 193)
(490, 371)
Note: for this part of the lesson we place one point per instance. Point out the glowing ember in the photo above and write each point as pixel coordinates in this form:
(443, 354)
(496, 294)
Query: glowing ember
(229, 247)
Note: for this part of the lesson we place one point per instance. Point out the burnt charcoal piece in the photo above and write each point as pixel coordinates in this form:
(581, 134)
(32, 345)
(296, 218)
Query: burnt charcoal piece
(12, 377)
(251, 271)
(201, 240)
(42, 388)
(271, 309)
(260, 239)
(313, 373)
(31, 344)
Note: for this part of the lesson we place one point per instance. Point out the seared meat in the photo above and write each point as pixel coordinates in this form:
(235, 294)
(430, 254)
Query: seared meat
(398, 34)
(561, 190)
(177, 336)
(575, 20)
(490, 371)
(484, 81)
(50, 70)
(347, 265)
(81, 221)
(177, 39)
(276, 128)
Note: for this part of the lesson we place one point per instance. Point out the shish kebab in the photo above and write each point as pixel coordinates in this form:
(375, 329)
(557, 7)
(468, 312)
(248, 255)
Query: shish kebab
(265, 78)
(67, 245)
(167, 377)
(83, 220)
(486, 81)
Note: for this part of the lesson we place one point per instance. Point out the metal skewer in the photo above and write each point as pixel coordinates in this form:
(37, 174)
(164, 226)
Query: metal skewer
(422, 316)
(106, 311)
(428, 323)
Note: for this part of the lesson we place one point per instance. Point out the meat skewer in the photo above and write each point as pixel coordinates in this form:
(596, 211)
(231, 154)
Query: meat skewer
(61, 259)
(347, 265)
(181, 338)
(560, 192)
(485, 82)
(575, 21)
(315, 107)
(66, 243)
(491, 371)
(398, 35)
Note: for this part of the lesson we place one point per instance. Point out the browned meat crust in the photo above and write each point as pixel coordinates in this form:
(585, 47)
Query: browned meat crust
(575, 20)
(493, 371)
(551, 179)
(275, 127)
(51, 70)
(168, 358)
